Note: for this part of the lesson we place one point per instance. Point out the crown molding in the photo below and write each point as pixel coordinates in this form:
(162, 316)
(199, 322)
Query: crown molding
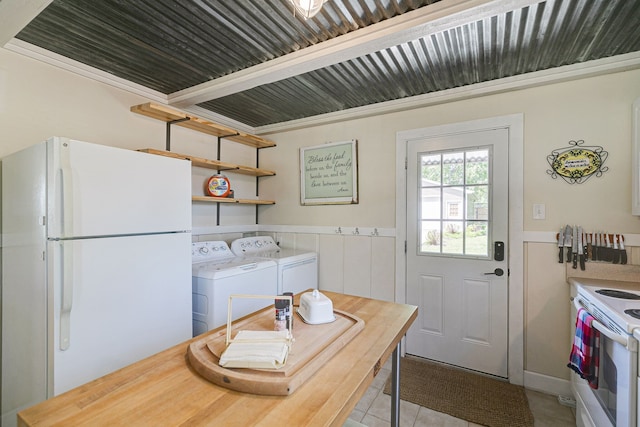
(76, 67)
(565, 73)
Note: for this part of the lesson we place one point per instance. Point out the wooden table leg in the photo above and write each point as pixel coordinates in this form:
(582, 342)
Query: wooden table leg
(395, 387)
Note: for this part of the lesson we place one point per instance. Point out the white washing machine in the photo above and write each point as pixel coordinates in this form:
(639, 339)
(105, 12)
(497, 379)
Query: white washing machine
(297, 270)
(217, 273)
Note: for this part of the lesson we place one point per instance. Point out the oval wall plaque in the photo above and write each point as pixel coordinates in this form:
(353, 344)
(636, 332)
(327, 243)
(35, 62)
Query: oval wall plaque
(577, 163)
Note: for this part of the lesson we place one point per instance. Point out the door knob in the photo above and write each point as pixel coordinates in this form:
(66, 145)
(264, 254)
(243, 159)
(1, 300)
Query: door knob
(497, 272)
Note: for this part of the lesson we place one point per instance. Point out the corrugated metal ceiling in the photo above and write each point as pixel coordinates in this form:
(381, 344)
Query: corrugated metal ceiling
(170, 45)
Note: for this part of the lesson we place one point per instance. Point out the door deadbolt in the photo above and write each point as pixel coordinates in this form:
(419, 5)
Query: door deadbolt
(498, 251)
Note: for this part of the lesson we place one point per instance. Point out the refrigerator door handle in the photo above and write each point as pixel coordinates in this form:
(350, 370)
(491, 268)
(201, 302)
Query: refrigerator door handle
(67, 294)
(66, 195)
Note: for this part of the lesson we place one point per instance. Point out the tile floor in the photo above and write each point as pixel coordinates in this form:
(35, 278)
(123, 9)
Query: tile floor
(374, 410)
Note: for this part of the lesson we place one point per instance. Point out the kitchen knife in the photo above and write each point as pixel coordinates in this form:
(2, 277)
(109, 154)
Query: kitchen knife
(607, 256)
(615, 253)
(580, 248)
(561, 245)
(595, 248)
(589, 247)
(623, 251)
(600, 247)
(574, 249)
(567, 241)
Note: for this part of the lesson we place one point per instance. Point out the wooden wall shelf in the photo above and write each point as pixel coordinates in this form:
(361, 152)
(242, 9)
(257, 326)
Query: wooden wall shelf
(210, 199)
(167, 114)
(172, 117)
(212, 164)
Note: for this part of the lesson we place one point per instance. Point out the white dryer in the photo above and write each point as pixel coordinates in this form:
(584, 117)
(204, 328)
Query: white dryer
(297, 270)
(217, 273)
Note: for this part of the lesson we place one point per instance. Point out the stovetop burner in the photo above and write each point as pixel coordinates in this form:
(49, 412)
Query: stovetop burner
(617, 294)
(633, 312)
(607, 303)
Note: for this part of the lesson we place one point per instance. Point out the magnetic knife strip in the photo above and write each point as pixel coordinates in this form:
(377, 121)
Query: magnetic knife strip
(594, 246)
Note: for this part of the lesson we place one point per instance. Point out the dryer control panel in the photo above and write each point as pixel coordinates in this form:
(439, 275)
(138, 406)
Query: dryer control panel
(253, 245)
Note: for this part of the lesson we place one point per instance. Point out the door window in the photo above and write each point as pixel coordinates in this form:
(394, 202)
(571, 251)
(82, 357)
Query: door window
(454, 209)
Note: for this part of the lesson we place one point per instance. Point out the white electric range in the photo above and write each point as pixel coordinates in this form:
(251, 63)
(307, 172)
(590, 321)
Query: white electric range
(615, 307)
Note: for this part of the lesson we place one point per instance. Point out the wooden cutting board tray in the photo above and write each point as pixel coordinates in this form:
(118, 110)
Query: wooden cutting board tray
(313, 346)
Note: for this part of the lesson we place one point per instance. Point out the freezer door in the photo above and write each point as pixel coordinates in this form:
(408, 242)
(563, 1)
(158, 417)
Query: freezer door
(115, 301)
(97, 190)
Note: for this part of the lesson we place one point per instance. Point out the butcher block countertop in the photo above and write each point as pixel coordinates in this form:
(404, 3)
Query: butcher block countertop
(163, 390)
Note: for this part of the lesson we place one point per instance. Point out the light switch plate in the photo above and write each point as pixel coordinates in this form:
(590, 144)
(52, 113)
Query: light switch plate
(539, 211)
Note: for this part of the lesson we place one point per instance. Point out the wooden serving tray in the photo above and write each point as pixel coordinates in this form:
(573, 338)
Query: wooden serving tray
(313, 346)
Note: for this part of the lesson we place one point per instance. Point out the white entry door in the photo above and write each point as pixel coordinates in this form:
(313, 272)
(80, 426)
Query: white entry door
(457, 236)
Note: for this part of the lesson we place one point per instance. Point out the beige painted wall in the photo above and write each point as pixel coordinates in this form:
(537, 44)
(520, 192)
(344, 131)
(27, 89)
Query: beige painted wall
(547, 312)
(38, 101)
(596, 110)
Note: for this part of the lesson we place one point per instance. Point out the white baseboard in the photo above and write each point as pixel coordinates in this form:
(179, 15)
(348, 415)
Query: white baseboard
(547, 384)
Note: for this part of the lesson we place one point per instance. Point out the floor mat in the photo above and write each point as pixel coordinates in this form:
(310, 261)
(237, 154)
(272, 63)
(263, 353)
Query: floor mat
(462, 394)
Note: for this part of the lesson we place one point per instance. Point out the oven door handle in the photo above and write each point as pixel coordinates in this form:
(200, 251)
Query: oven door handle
(620, 339)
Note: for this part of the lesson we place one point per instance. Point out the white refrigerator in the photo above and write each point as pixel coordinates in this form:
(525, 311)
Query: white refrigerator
(96, 265)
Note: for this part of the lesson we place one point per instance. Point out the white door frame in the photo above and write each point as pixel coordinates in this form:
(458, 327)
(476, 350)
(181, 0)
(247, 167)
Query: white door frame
(515, 124)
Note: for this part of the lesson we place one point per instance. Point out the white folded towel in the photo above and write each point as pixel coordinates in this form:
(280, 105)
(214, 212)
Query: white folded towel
(257, 349)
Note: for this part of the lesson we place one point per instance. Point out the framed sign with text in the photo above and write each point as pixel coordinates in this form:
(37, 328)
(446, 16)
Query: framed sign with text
(329, 173)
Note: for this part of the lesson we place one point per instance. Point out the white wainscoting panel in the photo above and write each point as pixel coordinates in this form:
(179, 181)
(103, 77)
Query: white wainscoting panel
(357, 266)
(306, 242)
(284, 240)
(383, 272)
(331, 263)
